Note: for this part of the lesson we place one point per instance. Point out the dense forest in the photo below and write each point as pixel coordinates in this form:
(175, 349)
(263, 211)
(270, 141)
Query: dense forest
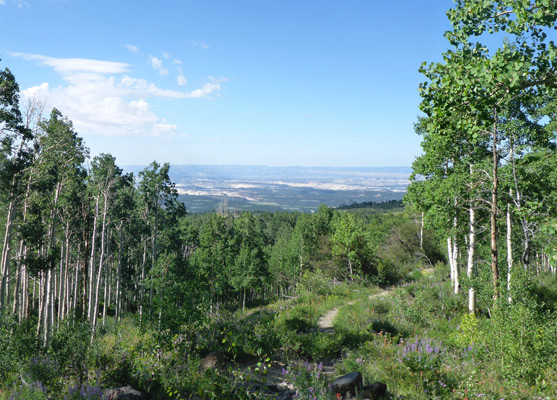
(106, 280)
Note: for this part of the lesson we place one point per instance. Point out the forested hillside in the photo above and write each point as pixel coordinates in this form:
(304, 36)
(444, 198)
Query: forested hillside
(87, 248)
(106, 280)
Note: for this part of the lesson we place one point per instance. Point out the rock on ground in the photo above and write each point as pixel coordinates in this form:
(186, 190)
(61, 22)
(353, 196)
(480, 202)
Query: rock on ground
(123, 393)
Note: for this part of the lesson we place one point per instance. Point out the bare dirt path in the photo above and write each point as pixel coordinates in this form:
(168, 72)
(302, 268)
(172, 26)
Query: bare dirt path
(326, 321)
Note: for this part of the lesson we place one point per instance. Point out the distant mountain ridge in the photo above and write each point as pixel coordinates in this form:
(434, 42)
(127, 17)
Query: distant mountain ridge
(260, 171)
(262, 188)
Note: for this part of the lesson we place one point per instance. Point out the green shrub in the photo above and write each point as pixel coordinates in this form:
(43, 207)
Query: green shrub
(308, 381)
(383, 325)
(314, 283)
(69, 345)
(468, 332)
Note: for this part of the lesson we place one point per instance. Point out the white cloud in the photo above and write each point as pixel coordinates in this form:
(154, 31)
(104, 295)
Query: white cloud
(203, 45)
(182, 81)
(101, 98)
(68, 67)
(156, 63)
(177, 61)
(132, 48)
(166, 55)
(205, 91)
(21, 4)
(2, 3)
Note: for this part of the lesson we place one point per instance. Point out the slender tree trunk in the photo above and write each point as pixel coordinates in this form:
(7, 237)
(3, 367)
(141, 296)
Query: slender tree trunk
(5, 261)
(47, 308)
(17, 291)
(61, 288)
(509, 250)
(142, 282)
(92, 262)
(471, 242)
(101, 264)
(493, 214)
(119, 272)
(41, 298)
(518, 204)
(451, 259)
(422, 233)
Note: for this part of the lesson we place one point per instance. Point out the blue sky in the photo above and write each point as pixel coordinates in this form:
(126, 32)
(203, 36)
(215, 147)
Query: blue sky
(252, 82)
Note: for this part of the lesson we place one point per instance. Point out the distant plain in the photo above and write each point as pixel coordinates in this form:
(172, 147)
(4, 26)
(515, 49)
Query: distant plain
(204, 188)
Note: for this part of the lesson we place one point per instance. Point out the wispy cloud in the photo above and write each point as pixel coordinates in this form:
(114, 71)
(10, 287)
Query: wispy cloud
(203, 45)
(206, 90)
(177, 61)
(182, 81)
(67, 67)
(2, 3)
(132, 48)
(22, 4)
(101, 98)
(166, 55)
(156, 63)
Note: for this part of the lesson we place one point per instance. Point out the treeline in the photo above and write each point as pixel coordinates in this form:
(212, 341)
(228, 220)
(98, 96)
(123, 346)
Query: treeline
(84, 240)
(382, 205)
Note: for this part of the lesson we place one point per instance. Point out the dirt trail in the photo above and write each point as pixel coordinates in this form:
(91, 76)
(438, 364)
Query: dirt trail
(273, 379)
(326, 321)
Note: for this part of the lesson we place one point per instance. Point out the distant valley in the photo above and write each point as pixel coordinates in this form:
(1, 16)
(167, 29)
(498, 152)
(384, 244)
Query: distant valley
(259, 188)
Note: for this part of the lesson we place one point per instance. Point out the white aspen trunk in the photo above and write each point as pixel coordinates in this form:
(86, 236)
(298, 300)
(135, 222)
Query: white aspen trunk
(24, 309)
(105, 297)
(101, 265)
(455, 264)
(60, 284)
(118, 272)
(64, 274)
(471, 301)
(471, 242)
(5, 261)
(76, 284)
(92, 263)
(422, 233)
(509, 250)
(52, 300)
(68, 280)
(35, 284)
(42, 296)
(47, 310)
(493, 212)
(518, 204)
(17, 291)
(77, 280)
(451, 258)
(50, 279)
(455, 251)
(142, 283)
(110, 282)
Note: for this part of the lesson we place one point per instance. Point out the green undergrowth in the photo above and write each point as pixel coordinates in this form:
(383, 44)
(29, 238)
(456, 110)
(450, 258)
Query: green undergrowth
(421, 341)
(418, 338)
